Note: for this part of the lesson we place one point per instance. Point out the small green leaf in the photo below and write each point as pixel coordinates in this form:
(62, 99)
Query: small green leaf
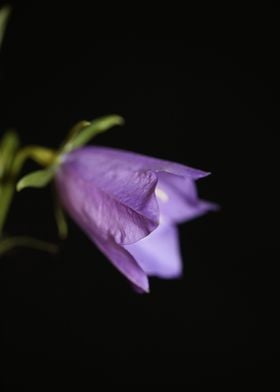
(38, 179)
(4, 16)
(9, 243)
(85, 134)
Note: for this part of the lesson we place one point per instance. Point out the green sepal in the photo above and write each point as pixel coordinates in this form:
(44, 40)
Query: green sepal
(76, 129)
(83, 132)
(37, 179)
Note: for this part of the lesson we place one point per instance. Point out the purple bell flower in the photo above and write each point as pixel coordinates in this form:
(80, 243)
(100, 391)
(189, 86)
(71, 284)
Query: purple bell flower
(129, 205)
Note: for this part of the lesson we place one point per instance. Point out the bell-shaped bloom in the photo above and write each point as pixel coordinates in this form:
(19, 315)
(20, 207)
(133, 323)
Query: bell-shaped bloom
(129, 205)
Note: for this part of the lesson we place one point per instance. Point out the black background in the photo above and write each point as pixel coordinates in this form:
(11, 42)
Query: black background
(73, 318)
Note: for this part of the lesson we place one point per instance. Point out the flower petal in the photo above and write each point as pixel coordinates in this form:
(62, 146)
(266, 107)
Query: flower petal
(124, 262)
(117, 203)
(118, 256)
(178, 198)
(159, 253)
(103, 157)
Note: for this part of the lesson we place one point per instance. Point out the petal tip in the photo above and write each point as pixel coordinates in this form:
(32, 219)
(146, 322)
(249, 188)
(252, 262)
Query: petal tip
(141, 290)
(202, 174)
(210, 206)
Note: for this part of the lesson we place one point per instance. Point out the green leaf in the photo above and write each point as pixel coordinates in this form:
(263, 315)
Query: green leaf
(8, 148)
(9, 243)
(38, 179)
(86, 133)
(4, 16)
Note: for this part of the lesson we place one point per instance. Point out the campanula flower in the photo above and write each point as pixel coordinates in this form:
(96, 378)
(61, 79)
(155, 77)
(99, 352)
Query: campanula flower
(129, 205)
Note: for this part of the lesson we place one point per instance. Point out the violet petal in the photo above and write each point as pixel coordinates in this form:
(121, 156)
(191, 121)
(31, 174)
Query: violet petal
(116, 203)
(129, 204)
(124, 262)
(104, 158)
(178, 199)
(159, 253)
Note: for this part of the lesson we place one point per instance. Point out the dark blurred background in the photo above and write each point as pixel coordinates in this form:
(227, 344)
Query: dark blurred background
(73, 317)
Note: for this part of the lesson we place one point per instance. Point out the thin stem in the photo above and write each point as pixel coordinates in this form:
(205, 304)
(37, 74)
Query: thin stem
(8, 148)
(4, 16)
(60, 218)
(7, 193)
(9, 243)
(41, 155)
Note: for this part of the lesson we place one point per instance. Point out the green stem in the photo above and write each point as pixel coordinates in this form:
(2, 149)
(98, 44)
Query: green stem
(60, 218)
(4, 16)
(41, 155)
(8, 148)
(9, 243)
